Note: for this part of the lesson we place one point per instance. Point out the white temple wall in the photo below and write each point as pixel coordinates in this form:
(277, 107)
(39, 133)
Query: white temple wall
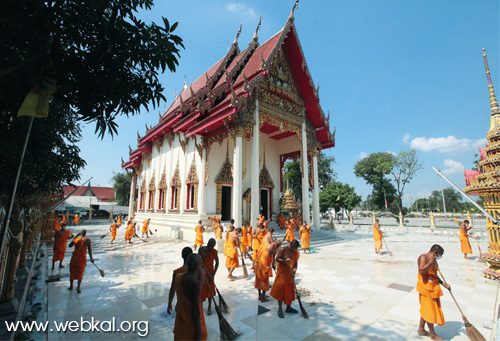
(289, 144)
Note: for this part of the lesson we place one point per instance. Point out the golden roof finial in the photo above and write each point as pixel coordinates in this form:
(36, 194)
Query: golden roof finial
(255, 37)
(291, 17)
(493, 100)
(237, 35)
(185, 85)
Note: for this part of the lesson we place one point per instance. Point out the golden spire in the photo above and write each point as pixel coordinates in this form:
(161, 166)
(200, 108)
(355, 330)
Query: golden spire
(237, 35)
(291, 17)
(255, 37)
(493, 100)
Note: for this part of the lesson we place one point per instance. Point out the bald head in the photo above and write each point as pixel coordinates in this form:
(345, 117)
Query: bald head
(83, 233)
(186, 252)
(211, 243)
(193, 262)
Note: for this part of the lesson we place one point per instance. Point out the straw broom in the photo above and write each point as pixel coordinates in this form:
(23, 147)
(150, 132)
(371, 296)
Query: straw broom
(135, 235)
(100, 270)
(302, 309)
(245, 271)
(480, 259)
(388, 251)
(226, 331)
(150, 232)
(471, 331)
(224, 307)
(104, 235)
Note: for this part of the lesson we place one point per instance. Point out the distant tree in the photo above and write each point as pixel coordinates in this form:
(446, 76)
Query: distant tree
(326, 174)
(104, 59)
(404, 167)
(121, 185)
(293, 177)
(338, 195)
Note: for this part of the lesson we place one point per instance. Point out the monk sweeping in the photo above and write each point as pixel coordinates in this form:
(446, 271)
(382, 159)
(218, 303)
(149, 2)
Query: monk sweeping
(79, 259)
(268, 237)
(129, 233)
(210, 259)
(199, 235)
(464, 239)
(217, 227)
(56, 226)
(119, 220)
(305, 237)
(283, 289)
(76, 220)
(295, 221)
(430, 291)
(261, 219)
(244, 240)
(290, 233)
(183, 269)
(258, 235)
(264, 269)
(113, 229)
(189, 318)
(64, 220)
(232, 262)
(60, 243)
(377, 237)
(145, 227)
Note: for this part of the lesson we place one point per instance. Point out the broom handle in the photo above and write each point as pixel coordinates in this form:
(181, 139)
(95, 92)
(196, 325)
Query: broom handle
(213, 282)
(385, 244)
(96, 266)
(461, 312)
(477, 242)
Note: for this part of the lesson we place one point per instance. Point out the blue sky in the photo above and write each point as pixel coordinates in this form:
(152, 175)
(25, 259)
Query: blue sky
(393, 74)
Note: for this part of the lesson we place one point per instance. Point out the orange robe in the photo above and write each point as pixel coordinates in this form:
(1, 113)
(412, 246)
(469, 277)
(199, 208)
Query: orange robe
(429, 293)
(244, 239)
(283, 288)
(184, 325)
(290, 234)
(305, 237)
(263, 269)
(145, 226)
(281, 220)
(64, 220)
(130, 232)
(295, 222)
(257, 242)
(181, 270)
(231, 254)
(218, 230)
(119, 220)
(261, 220)
(377, 236)
(113, 231)
(209, 264)
(464, 241)
(61, 244)
(199, 235)
(78, 260)
(250, 236)
(57, 225)
(76, 220)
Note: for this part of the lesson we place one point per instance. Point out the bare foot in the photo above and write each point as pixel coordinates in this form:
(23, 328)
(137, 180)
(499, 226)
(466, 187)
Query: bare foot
(78, 290)
(423, 332)
(209, 311)
(61, 266)
(264, 299)
(70, 288)
(435, 337)
(467, 258)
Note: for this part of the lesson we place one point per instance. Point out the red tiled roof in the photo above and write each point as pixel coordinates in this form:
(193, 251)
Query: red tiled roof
(101, 193)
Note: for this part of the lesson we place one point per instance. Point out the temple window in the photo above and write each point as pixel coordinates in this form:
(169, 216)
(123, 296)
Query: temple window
(175, 186)
(142, 196)
(162, 191)
(151, 196)
(192, 187)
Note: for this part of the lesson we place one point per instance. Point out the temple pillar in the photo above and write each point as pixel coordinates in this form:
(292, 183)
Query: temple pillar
(238, 177)
(202, 202)
(254, 171)
(316, 214)
(133, 184)
(305, 176)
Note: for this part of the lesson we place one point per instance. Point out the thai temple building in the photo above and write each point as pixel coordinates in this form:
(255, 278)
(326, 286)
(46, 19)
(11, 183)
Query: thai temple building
(485, 182)
(221, 146)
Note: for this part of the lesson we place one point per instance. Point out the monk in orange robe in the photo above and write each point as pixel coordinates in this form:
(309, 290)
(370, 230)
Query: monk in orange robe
(145, 227)
(283, 289)
(261, 219)
(189, 318)
(232, 262)
(430, 291)
(377, 237)
(217, 226)
(305, 237)
(258, 235)
(113, 229)
(60, 242)
(464, 239)
(181, 270)
(210, 256)
(79, 259)
(199, 235)
(120, 221)
(250, 236)
(264, 269)
(76, 220)
(268, 236)
(281, 220)
(295, 221)
(130, 232)
(64, 220)
(56, 226)
(290, 233)
(244, 240)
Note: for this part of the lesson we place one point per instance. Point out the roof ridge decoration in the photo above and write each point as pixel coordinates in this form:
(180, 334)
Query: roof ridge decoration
(235, 42)
(291, 17)
(255, 36)
(493, 100)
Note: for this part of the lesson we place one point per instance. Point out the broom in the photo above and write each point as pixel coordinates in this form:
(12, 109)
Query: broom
(223, 305)
(135, 235)
(150, 232)
(226, 331)
(245, 271)
(388, 251)
(471, 331)
(480, 259)
(104, 235)
(302, 310)
(100, 270)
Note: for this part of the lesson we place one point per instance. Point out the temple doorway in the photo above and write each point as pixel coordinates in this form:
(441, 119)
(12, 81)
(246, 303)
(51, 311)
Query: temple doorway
(226, 203)
(264, 202)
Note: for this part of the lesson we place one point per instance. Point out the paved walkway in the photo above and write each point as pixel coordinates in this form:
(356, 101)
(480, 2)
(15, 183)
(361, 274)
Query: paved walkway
(349, 292)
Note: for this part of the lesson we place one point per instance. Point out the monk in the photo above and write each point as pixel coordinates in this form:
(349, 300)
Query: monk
(295, 221)
(290, 233)
(199, 234)
(189, 318)
(60, 242)
(464, 239)
(244, 240)
(430, 291)
(120, 221)
(76, 220)
(113, 229)
(79, 259)
(130, 232)
(258, 235)
(377, 236)
(64, 219)
(281, 220)
(250, 236)
(217, 227)
(264, 268)
(145, 227)
(261, 219)
(283, 289)
(305, 237)
(183, 269)
(56, 225)
(210, 256)
(232, 262)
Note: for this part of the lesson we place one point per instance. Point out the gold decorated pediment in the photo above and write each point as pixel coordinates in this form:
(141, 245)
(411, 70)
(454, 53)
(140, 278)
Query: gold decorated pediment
(265, 178)
(163, 180)
(143, 185)
(281, 79)
(176, 179)
(152, 186)
(225, 176)
(192, 175)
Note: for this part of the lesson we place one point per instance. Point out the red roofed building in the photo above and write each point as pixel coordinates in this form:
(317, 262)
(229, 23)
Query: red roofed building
(104, 194)
(230, 132)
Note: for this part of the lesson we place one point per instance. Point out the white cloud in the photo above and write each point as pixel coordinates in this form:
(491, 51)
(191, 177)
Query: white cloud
(240, 7)
(393, 153)
(362, 155)
(405, 139)
(448, 144)
(453, 167)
